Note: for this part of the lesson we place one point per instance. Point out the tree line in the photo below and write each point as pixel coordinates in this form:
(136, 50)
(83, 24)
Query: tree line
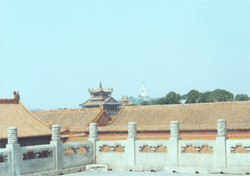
(194, 96)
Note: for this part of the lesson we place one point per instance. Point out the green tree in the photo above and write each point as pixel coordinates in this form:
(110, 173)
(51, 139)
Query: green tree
(145, 103)
(242, 97)
(154, 102)
(170, 98)
(193, 96)
(132, 104)
(220, 95)
(203, 97)
(173, 98)
(158, 101)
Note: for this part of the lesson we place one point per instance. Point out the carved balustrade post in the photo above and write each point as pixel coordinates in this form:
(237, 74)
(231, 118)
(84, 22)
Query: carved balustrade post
(132, 131)
(56, 133)
(59, 150)
(222, 128)
(93, 130)
(132, 137)
(220, 150)
(93, 137)
(12, 135)
(15, 150)
(174, 129)
(174, 138)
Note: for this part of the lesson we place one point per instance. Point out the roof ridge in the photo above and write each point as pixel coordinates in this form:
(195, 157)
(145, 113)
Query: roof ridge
(117, 115)
(198, 104)
(97, 116)
(190, 115)
(14, 100)
(107, 99)
(47, 125)
(63, 110)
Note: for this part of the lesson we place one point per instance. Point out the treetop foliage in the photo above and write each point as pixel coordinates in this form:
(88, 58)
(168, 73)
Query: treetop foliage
(194, 96)
(242, 97)
(220, 95)
(170, 98)
(203, 97)
(145, 103)
(132, 104)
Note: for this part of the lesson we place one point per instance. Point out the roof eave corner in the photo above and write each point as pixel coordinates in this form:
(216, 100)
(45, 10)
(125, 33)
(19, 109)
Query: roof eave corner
(15, 100)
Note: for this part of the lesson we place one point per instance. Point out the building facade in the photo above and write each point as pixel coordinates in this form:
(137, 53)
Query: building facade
(32, 131)
(198, 121)
(102, 98)
(125, 100)
(73, 120)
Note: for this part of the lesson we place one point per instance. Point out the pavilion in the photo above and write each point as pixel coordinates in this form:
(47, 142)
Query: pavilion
(102, 98)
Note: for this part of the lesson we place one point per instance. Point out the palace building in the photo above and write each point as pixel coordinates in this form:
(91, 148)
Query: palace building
(102, 98)
(31, 131)
(126, 100)
(197, 121)
(73, 120)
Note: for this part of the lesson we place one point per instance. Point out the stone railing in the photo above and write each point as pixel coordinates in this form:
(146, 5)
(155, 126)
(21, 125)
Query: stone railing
(176, 155)
(172, 156)
(50, 159)
(5, 162)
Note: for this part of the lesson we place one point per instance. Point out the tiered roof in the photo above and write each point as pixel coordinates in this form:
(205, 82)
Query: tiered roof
(199, 116)
(125, 98)
(100, 101)
(14, 114)
(71, 119)
(100, 89)
(103, 98)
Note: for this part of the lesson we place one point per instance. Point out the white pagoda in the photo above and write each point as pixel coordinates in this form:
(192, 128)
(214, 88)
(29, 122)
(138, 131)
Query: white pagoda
(143, 94)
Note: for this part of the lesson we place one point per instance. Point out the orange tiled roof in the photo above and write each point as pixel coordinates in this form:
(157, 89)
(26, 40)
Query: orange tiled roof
(125, 98)
(90, 102)
(17, 115)
(100, 89)
(70, 119)
(15, 100)
(200, 116)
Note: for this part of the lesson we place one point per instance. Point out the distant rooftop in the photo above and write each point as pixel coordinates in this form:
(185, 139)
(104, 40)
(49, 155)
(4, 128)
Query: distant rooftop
(100, 89)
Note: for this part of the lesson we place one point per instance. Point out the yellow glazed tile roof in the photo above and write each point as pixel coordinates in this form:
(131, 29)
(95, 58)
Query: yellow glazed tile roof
(125, 98)
(70, 119)
(90, 102)
(17, 115)
(100, 89)
(202, 116)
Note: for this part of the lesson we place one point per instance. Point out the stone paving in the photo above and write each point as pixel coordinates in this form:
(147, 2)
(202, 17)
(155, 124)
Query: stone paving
(116, 173)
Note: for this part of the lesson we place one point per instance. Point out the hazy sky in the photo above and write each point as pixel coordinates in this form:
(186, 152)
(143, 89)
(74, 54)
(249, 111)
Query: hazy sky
(53, 51)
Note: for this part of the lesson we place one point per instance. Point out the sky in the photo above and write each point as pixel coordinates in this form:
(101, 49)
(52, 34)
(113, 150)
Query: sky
(53, 51)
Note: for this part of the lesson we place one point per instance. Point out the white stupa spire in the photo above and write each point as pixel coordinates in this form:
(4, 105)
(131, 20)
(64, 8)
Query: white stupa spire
(144, 93)
(143, 90)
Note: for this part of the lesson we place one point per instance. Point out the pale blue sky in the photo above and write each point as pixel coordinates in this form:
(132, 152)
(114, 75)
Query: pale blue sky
(53, 51)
